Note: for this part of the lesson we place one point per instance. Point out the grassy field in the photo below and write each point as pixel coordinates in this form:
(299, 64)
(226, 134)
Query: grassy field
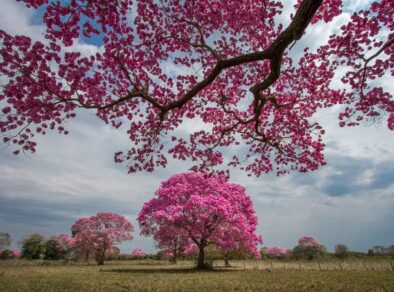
(156, 276)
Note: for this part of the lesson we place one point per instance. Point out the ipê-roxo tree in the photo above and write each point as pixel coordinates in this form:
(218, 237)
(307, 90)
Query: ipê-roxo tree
(100, 232)
(308, 248)
(168, 238)
(204, 209)
(138, 253)
(276, 252)
(227, 64)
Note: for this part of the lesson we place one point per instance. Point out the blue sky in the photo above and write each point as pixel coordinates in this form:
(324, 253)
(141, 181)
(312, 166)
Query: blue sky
(350, 200)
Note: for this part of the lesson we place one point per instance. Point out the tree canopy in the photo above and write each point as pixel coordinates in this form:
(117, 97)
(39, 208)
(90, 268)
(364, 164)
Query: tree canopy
(203, 210)
(97, 234)
(226, 64)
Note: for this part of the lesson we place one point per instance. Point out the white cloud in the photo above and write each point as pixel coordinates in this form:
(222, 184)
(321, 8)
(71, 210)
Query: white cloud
(16, 19)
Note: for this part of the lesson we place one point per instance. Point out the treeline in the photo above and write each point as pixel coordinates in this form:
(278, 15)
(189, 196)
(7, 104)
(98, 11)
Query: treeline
(36, 246)
(309, 249)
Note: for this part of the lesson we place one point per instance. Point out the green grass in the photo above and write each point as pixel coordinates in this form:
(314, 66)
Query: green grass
(155, 276)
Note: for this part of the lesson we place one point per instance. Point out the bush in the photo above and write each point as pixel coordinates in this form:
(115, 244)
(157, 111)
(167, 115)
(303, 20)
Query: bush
(53, 250)
(341, 251)
(6, 254)
(33, 247)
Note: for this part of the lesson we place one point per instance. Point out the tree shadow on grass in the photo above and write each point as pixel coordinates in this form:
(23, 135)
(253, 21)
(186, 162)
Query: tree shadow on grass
(164, 271)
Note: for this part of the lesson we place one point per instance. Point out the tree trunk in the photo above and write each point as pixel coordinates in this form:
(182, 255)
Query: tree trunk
(226, 263)
(87, 255)
(100, 257)
(174, 256)
(201, 258)
(174, 252)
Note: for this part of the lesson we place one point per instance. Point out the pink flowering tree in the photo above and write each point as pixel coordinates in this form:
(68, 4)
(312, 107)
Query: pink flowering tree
(249, 89)
(83, 247)
(308, 248)
(138, 252)
(169, 239)
(6, 254)
(206, 210)
(66, 245)
(100, 232)
(16, 253)
(276, 252)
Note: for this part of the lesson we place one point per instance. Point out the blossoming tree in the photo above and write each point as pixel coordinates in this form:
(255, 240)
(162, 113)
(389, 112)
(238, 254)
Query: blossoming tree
(205, 210)
(308, 248)
(234, 72)
(276, 252)
(138, 252)
(67, 245)
(171, 241)
(100, 232)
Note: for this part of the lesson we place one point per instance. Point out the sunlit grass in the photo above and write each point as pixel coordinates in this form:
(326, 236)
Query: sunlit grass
(158, 276)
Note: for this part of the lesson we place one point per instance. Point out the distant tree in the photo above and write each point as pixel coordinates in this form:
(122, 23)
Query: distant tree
(5, 240)
(5, 254)
(53, 250)
(100, 232)
(82, 248)
(341, 251)
(308, 248)
(235, 254)
(33, 247)
(376, 250)
(138, 253)
(165, 255)
(168, 238)
(381, 250)
(67, 246)
(276, 252)
(16, 253)
(207, 210)
(113, 253)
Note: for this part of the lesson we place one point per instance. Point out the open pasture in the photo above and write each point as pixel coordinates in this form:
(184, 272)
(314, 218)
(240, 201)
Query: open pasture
(159, 276)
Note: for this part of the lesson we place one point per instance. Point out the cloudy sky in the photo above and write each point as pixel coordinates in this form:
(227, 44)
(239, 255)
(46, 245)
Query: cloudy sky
(350, 201)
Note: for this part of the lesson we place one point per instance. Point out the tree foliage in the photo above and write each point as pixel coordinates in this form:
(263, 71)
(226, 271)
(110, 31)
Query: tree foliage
(98, 233)
(341, 251)
(33, 247)
(233, 71)
(308, 248)
(276, 252)
(53, 250)
(203, 210)
(67, 247)
(138, 252)
(5, 240)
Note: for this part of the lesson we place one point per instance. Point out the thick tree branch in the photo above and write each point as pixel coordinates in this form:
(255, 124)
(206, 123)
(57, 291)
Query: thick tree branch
(274, 53)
